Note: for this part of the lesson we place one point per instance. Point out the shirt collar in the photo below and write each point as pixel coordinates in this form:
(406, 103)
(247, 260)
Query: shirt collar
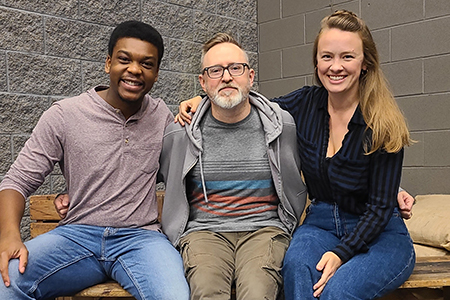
(357, 117)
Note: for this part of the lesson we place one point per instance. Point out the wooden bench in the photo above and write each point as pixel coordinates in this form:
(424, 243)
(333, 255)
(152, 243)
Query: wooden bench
(429, 272)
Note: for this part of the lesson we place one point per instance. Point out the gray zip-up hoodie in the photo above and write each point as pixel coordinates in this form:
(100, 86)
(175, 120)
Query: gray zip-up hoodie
(182, 149)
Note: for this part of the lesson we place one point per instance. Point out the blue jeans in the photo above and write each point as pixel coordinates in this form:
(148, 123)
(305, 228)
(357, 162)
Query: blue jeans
(388, 263)
(73, 257)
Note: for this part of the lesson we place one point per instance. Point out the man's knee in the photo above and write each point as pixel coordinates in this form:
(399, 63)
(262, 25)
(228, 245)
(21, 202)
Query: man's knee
(208, 264)
(208, 279)
(259, 286)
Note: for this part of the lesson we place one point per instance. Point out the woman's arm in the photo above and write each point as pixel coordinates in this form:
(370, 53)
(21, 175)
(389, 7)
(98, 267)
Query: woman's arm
(384, 181)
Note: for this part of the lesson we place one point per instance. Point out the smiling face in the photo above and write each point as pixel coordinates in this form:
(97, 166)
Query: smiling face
(227, 91)
(340, 59)
(133, 69)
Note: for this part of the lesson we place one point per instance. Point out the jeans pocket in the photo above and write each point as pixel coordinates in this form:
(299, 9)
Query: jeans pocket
(397, 224)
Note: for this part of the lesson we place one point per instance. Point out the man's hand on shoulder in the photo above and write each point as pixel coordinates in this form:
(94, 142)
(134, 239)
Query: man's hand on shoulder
(405, 204)
(186, 107)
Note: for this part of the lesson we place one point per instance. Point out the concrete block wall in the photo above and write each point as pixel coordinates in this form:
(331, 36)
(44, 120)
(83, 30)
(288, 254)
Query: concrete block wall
(56, 48)
(414, 44)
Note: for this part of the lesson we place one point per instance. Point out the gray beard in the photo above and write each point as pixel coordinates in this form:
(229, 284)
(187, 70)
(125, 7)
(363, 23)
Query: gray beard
(229, 102)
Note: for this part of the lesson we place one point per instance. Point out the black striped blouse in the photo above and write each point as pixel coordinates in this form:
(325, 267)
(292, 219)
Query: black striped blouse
(362, 184)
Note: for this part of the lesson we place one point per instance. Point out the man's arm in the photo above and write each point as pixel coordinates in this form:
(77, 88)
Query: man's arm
(185, 108)
(405, 203)
(12, 206)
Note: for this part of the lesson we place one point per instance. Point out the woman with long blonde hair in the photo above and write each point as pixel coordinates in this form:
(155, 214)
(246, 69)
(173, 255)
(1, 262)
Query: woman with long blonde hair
(353, 243)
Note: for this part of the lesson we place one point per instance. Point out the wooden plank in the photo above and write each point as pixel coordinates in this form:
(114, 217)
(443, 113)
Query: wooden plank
(107, 289)
(430, 272)
(42, 208)
(40, 228)
(160, 201)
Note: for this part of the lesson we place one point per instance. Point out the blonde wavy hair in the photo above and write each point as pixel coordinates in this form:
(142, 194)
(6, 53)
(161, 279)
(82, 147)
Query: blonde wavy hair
(379, 108)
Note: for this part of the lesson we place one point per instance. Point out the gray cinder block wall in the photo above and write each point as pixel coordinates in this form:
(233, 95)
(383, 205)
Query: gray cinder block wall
(414, 43)
(56, 48)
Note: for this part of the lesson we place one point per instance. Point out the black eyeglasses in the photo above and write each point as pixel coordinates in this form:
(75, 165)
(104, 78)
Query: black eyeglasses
(235, 69)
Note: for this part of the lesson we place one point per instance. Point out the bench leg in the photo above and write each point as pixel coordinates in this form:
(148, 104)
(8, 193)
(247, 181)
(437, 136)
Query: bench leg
(400, 294)
(93, 298)
(446, 292)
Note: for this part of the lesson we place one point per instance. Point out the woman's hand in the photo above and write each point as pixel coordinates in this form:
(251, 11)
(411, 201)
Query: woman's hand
(328, 265)
(185, 108)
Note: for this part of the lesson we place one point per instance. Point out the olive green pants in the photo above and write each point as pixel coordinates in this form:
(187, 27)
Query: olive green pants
(252, 260)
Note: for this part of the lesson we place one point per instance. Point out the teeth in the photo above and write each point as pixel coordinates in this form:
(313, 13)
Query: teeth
(131, 82)
(336, 77)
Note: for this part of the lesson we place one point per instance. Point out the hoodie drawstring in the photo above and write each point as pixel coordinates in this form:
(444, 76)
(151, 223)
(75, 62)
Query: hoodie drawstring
(203, 177)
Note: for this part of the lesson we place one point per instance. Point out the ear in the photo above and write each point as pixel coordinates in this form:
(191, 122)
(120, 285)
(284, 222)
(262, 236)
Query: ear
(108, 64)
(157, 75)
(364, 67)
(251, 74)
(201, 79)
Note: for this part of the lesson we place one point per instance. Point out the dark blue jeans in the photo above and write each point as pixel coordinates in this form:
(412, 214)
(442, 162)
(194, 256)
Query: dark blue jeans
(387, 264)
